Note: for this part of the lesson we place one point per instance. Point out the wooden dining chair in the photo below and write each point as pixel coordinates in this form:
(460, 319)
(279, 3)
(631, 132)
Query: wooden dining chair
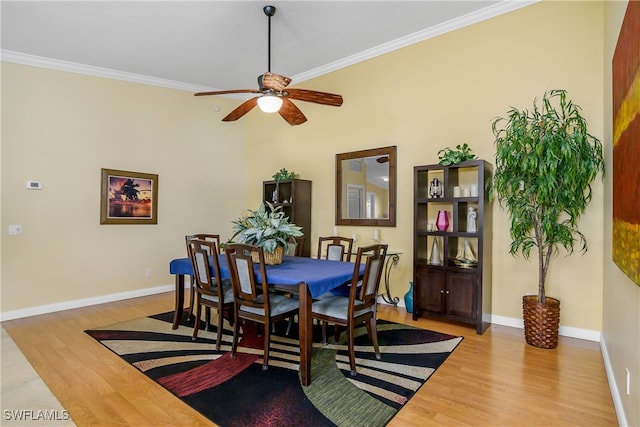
(211, 290)
(360, 306)
(335, 248)
(252, 298)
(295, 245)
(210, 238)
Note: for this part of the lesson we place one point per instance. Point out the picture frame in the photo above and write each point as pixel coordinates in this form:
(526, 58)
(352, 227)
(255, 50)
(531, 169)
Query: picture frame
(128, 197)
(626, 149)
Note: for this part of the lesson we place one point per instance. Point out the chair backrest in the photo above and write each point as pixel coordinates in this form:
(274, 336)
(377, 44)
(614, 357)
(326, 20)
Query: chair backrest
(203, 236)
(247, 290)
(295, 245)
(200, 252)
(373, 257)
(337, 248)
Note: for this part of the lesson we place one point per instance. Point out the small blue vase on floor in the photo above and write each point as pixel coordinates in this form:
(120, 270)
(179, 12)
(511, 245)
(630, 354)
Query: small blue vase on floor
(408, 298)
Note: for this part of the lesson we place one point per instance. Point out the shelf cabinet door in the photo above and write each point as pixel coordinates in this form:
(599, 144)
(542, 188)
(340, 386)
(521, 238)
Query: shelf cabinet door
(430, 290)
(461, 294)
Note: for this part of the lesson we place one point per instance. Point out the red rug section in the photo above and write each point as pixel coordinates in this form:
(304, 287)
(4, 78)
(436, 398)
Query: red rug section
(217, 371)
(208, 375)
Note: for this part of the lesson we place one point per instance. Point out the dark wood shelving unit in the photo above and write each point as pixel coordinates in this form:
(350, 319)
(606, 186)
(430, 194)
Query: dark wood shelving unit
(294, 195)
(450, 289)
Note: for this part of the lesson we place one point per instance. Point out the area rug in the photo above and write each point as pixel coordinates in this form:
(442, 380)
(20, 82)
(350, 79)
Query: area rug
(237, 392)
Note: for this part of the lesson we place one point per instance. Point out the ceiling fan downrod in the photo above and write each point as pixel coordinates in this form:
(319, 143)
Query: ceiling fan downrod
(269, 11)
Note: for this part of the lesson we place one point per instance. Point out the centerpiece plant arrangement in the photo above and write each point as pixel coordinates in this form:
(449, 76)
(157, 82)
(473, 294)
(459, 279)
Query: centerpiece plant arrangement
(545, 163)
(267, 227)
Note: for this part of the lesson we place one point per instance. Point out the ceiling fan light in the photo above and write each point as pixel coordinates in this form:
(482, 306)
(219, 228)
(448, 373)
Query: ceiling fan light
(270, 103)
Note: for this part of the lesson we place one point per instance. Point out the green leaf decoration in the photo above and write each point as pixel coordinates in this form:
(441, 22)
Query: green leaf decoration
(448, 156)
(284, 174)
(545, 163)
(266, 226)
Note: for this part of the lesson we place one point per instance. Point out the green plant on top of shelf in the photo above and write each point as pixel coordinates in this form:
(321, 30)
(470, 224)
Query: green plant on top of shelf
(283, 174)
(449, 156)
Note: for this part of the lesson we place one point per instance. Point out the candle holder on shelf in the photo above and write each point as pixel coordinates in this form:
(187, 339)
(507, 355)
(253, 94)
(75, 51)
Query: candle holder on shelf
(435, 188)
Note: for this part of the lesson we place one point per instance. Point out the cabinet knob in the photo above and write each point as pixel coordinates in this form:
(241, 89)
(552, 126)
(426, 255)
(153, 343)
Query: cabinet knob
(447, 292)
(442, 291)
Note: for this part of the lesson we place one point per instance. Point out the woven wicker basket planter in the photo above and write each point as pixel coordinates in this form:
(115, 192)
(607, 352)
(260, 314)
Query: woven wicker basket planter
(541, 321)
(270, 258)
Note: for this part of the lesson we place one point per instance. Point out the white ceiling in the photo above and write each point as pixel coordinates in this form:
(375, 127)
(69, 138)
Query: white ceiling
(213, 45)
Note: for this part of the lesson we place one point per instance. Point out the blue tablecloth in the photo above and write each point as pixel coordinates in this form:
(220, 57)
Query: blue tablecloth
(320, 275)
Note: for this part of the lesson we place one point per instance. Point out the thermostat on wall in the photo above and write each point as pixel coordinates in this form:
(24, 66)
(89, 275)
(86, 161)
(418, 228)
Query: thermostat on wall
(34, 185)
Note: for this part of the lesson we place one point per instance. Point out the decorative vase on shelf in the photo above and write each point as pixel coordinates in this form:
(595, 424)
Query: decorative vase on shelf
(442, 221)
(434, 259)
(408, 298)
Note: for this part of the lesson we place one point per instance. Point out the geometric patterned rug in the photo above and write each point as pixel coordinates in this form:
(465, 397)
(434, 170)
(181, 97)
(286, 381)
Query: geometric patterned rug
(236, 392)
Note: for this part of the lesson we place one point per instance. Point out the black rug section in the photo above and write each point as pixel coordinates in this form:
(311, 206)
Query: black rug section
(237, 392)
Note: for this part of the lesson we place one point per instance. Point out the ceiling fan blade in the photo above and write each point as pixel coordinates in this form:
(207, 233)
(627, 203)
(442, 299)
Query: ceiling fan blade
(224, 92)
(243, 109)
(291, 113)
(314, 96)
(273, 81)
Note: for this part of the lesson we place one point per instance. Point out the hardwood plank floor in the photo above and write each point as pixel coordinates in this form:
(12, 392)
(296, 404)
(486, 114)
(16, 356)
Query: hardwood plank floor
(493, 379)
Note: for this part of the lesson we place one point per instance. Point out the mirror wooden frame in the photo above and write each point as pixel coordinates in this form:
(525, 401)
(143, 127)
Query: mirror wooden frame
(380, 222)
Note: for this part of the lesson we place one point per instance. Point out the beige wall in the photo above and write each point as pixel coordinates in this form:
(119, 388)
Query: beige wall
(62, 128)
(621, 301)
(442, 92)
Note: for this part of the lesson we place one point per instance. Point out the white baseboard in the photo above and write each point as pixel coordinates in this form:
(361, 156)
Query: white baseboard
(613, 386)
(566, 331)
(67, 305)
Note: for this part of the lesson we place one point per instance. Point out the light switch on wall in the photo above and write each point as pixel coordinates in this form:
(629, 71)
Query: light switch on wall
(34, 185)
(15, 229)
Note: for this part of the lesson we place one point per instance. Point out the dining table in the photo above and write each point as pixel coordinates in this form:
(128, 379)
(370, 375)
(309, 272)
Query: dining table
(307, 277)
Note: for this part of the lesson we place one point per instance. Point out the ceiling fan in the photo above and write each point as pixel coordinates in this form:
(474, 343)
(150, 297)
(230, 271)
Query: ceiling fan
(274, 94)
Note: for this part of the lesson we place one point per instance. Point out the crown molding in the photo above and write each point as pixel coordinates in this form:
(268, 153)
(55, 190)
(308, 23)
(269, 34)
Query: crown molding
(452, 25)
(72, 67)
(445, 27)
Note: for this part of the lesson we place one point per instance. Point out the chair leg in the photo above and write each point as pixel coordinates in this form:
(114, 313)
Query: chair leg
(289, 325)
(220, 320)
(267, 333)
(373, 333)
(192, 286)
(352, 349)
(336, 333)
(324, 333)
(196, 321)
(207, 317)
(234, 345)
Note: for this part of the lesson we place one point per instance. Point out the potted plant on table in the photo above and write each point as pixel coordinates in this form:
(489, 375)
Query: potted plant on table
(266, 227)
(545, 163)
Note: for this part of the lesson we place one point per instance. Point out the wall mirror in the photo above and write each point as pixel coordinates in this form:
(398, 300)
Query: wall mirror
(366, 187)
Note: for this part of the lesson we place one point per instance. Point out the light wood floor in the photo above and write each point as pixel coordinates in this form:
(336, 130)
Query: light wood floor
(493, 379)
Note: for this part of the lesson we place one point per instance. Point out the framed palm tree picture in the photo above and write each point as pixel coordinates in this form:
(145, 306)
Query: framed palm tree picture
(128, 197)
